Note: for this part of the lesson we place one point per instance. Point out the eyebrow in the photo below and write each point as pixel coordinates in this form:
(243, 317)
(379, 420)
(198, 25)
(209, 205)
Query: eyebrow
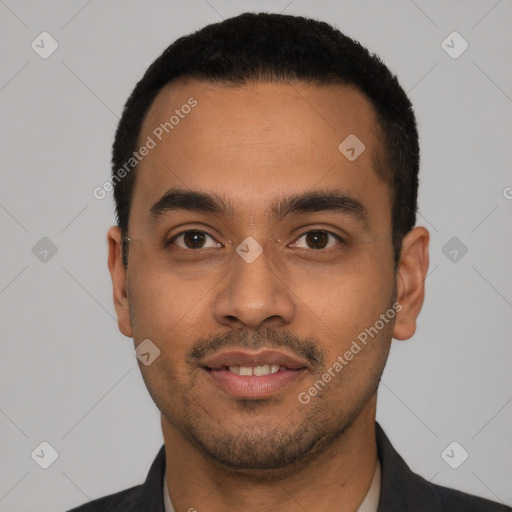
(302, 203)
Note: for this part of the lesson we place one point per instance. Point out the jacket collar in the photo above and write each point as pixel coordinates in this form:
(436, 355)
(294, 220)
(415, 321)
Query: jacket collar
(400, 488)
(153, 489)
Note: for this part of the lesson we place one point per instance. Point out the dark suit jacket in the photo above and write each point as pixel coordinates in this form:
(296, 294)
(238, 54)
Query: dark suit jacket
(401, 490)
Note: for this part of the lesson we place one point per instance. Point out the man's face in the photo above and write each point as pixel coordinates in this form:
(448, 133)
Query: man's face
(304, 282)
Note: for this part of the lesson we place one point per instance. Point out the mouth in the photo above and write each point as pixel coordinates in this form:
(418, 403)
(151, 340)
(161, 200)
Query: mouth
(254, 375)
(258, 371)
(260, 363)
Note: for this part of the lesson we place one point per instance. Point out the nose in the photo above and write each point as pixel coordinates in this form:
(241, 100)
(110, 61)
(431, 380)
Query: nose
(254, 294)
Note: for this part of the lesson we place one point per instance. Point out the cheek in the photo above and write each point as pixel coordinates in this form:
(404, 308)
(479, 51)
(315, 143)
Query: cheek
(162, 304)
(171, 316)
(161, 313)
(347, 316)
(350, 299)
(357, 357)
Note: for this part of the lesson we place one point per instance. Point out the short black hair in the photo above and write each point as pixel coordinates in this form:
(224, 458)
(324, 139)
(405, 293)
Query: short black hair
(265, 47)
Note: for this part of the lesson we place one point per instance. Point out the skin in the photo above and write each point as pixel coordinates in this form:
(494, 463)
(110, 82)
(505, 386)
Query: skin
(252, 145)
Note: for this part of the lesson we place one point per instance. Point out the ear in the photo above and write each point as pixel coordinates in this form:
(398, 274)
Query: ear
(410, 281)
(118, 275)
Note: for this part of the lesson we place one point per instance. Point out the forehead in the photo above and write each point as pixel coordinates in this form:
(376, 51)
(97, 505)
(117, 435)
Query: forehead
(256, 142)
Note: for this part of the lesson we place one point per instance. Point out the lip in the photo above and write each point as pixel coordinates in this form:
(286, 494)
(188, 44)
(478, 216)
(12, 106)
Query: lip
(253, 386)
(242, 358)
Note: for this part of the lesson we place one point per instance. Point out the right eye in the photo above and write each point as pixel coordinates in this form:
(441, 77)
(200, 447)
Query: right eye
(192, 239)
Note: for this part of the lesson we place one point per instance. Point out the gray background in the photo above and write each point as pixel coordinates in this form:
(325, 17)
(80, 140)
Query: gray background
(69, 377)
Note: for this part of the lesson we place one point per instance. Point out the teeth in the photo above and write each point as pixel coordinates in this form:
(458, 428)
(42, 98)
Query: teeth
(259, 371)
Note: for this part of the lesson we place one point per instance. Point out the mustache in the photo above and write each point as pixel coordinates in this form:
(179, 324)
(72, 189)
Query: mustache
(253, 340)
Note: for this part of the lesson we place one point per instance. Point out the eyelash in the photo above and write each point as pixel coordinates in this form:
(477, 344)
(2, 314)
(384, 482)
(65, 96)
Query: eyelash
(175, 237)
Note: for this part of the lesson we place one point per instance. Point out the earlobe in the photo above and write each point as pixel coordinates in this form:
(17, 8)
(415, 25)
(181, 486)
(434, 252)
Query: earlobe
(410, 281)
(118, 275)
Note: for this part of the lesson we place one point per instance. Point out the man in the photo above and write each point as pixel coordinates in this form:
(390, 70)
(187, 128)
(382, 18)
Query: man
(265, 173)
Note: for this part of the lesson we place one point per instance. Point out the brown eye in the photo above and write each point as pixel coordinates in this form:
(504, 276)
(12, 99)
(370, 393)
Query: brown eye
(318, 239)
(193, 239)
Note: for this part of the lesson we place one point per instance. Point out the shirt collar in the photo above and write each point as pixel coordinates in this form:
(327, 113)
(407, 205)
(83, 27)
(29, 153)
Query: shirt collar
(369, 504)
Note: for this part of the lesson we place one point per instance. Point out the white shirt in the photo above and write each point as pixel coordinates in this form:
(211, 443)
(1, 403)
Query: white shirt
(369, 504)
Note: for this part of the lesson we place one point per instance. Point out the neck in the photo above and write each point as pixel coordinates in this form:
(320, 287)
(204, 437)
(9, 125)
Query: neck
(337, 479)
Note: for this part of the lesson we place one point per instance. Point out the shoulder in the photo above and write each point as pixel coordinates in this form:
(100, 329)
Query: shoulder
(146, 496)
(402, 489)
(453, 500)
(127, 500)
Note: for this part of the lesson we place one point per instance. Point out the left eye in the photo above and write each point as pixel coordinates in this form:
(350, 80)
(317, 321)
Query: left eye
(193, 240)
(319, 239)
